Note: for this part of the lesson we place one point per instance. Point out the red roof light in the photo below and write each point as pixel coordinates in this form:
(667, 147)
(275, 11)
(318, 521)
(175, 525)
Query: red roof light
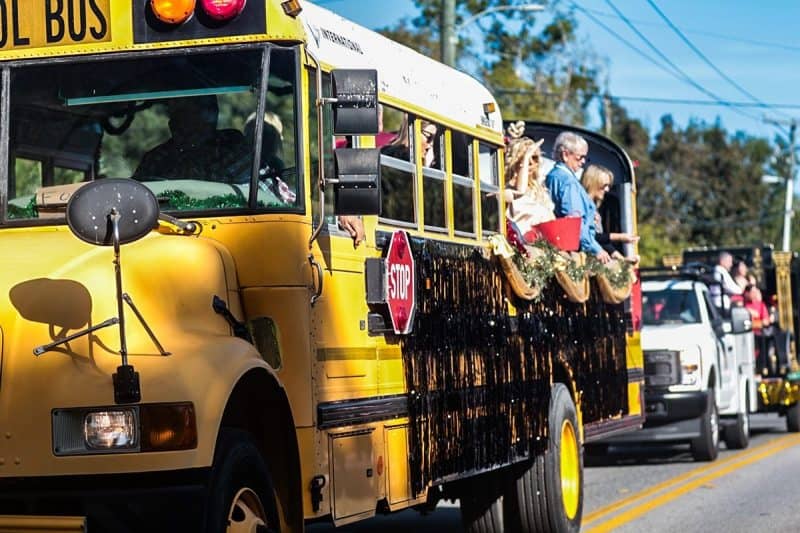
(222, 9)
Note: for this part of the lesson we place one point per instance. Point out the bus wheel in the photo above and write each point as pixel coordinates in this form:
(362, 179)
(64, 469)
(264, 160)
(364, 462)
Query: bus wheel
(793, 418)
(240, 494)
(548, 495)
(481, 502)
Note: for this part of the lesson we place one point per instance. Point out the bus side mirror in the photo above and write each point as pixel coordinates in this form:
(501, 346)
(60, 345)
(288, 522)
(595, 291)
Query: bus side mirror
(357, 187)
(355, 102)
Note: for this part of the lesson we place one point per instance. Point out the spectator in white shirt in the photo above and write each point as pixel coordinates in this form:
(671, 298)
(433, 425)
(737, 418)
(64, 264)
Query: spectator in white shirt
(722, 274)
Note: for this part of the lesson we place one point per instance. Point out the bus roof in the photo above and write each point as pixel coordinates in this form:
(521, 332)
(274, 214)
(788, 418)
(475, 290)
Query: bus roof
(402, 73)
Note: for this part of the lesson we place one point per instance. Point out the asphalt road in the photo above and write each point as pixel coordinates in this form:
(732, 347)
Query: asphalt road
(661, 489)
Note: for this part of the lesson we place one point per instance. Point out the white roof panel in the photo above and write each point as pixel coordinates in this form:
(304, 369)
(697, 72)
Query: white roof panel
(402, 72)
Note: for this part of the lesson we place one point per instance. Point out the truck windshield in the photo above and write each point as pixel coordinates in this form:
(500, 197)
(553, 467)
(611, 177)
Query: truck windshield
(670, 307)
(184, 125)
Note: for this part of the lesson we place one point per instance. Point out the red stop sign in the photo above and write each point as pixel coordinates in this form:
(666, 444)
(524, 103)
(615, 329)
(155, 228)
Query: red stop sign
(400, 293)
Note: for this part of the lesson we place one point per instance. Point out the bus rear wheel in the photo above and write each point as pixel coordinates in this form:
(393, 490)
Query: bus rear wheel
(548, 495)
(240, 493)
(481, 502)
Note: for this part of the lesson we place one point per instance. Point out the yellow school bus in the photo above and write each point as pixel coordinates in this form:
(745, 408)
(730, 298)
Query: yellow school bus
(190, 337)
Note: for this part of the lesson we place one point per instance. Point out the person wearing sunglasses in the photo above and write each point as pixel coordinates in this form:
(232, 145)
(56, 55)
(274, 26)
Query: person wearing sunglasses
(400, 147)
(569, 196)
(597, 180)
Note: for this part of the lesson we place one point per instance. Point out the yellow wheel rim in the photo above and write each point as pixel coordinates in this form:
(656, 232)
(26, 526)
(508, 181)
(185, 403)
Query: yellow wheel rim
(570, 470)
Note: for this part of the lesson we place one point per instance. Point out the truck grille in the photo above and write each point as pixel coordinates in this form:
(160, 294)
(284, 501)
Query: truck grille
(662, 368)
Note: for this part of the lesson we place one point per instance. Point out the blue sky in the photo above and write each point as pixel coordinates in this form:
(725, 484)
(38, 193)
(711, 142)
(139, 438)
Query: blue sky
(754, 44)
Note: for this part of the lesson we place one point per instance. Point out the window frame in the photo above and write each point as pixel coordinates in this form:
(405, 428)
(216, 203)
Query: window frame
(265, 49)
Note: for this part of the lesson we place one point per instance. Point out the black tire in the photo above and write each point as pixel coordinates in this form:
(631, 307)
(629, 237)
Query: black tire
(706, 446)
(793, 418)
(240, 485)
(737, 436)
(547, 494)
(481, 502)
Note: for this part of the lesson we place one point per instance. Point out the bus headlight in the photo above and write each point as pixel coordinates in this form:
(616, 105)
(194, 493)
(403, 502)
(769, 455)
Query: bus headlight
(104, 430)
(137, 428)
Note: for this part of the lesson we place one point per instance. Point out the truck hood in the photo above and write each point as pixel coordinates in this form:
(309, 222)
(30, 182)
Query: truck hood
(673, 337)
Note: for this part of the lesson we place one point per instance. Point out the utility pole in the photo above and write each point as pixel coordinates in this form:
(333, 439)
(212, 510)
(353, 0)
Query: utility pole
(607, 114)
(448, 32)
(788, 213)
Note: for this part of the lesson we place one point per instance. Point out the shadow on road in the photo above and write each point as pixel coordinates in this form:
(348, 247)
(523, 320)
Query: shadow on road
(441, 520)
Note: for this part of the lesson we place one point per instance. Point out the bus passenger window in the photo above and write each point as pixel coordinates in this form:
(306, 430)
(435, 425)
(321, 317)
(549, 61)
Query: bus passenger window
(397, 172)
(463, 184)
(489, 183)
(433, 177)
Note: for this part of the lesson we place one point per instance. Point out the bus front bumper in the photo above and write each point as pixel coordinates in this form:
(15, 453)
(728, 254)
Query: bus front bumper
(54, 524)
(152, 502)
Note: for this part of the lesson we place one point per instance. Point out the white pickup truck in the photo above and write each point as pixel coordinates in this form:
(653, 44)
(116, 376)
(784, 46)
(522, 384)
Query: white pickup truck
(699, 367)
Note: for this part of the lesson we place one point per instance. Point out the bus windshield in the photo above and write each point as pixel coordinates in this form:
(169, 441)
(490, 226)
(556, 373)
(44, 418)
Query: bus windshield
(184, 125)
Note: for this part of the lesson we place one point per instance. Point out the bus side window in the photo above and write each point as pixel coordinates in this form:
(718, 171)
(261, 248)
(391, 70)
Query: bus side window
(434, 190)
(463, 184)
(397, 171)
(490, 188)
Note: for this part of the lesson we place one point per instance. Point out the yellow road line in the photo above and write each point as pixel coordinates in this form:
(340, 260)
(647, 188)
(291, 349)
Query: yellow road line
(635, 512)
(739, 456)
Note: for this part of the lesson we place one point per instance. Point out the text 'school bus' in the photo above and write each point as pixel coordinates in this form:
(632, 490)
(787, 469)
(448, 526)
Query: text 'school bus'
(190, 339)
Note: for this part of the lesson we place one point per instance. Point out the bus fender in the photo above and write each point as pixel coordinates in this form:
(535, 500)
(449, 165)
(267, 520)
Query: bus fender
(259, 405)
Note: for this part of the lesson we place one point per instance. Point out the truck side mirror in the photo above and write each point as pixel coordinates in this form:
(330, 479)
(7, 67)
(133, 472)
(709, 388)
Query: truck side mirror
(355, 102)
(357, 187)
(741, 322)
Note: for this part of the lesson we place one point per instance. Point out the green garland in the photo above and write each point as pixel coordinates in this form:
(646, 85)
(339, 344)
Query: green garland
(29, 211)
(546, 260)
(180, 201)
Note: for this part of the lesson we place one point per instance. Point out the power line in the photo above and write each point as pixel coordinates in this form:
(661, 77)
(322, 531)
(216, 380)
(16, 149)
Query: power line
(705, 33)
(681, 74)
(702, 56)
(652, 99)
(622, 39)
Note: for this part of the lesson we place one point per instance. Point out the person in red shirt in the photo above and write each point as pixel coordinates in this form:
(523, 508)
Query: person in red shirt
(758, 309)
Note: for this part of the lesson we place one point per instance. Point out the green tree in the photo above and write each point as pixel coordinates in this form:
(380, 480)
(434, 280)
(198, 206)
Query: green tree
(539, 73)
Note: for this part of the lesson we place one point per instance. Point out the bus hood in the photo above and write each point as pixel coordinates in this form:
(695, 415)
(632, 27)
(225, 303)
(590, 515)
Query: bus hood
(52, 285)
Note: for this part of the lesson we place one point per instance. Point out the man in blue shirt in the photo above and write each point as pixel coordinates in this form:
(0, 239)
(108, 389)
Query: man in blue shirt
(569, 196)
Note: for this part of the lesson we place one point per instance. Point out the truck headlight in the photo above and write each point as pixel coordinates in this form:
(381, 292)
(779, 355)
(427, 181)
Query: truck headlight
(690, 374)
(690, 366)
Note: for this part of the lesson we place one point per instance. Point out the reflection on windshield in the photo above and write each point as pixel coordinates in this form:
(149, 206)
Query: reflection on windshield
(186, 126)
(670, 307)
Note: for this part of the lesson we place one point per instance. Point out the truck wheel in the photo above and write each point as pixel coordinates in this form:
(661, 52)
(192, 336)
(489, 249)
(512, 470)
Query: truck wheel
(481, 502)
(240, 494)
(737, 437)
(793, 418)
(548, 495)
(706, 446)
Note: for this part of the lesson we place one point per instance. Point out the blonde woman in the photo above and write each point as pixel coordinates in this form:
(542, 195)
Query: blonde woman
(528, 201)
(597, 181)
